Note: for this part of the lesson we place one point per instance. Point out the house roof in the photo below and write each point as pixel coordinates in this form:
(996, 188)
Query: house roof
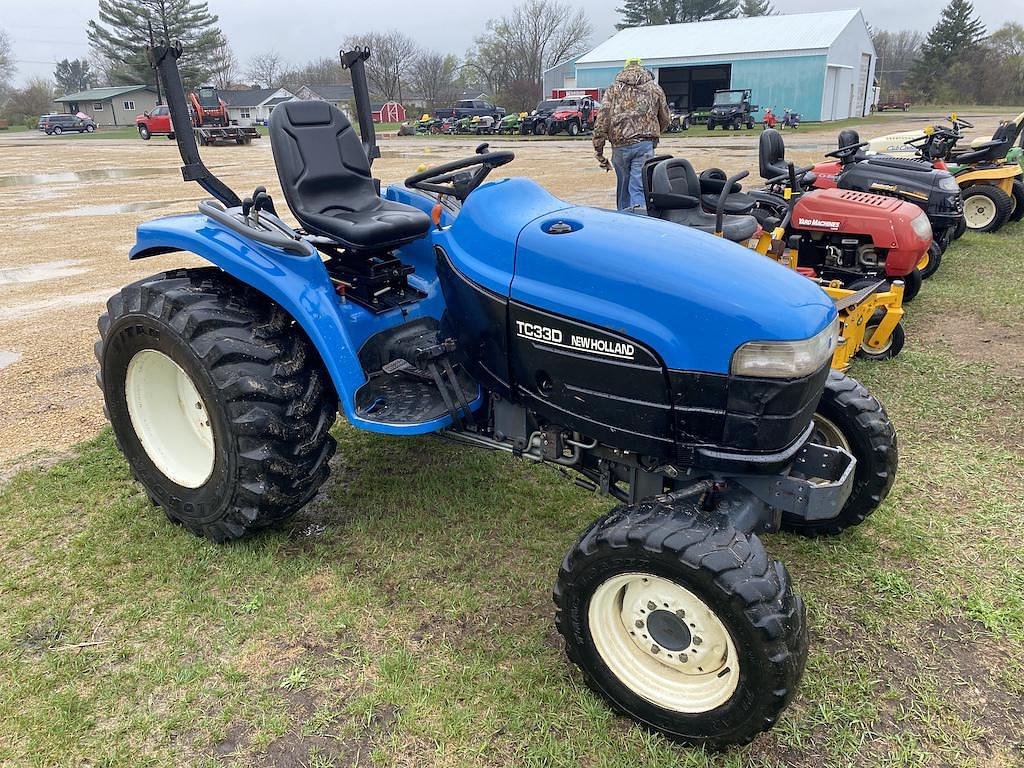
(101, 94)
(278, 100)
(250, 98)
(726, 37)
(342, 92)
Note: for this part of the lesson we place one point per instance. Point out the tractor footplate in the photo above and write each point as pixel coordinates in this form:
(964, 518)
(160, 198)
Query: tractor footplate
(818, 484)
(402, 397)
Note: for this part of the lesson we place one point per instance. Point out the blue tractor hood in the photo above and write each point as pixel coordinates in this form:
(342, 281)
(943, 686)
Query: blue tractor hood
(691, 297)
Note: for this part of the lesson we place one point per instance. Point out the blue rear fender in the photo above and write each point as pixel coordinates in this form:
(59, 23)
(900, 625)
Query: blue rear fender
(302, 287)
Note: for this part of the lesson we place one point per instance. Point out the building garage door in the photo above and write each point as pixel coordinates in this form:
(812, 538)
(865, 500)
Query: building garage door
(691, 88)
(862, 85)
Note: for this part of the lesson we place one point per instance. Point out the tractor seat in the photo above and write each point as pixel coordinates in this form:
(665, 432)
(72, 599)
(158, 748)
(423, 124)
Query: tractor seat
(325, 176)
(673, 193)
(848, 139)
(771, 158)
(712, 182)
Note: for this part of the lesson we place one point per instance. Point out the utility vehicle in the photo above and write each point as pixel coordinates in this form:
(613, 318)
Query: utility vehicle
(504, 318)
(574, 115)
(732, 109)
(536, 122)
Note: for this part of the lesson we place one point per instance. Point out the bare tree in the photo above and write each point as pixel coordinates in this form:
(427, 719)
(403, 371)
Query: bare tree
(537, 34)
(322, 71)
(224, 66)
(433, 75)
(391, 56)
(266, 69)
(35, 99)
(896, 53)
(7, 68)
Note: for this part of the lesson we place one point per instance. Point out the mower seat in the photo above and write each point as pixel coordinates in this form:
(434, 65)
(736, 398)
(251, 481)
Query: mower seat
(325, 176)
(712, 182)
(771, 158)
(848, 139)
(672, 192)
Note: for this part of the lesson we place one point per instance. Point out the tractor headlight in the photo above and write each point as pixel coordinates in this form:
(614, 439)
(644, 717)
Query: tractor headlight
(921, 226)
(948, 184)
(786, 359)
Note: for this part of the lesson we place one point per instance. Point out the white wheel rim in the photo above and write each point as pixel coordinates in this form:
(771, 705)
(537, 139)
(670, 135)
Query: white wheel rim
(869, 331)
(691, 670)
(979, 211)
(828, 433)
(170, 418)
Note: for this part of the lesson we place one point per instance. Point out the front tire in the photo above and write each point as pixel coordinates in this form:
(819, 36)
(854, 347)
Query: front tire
(929, 263)
(90, 128)
(144, 133)
(1017, 200)
(217, 400)
(912, 283)
(986, 208)
(849, 417)
(682, 622)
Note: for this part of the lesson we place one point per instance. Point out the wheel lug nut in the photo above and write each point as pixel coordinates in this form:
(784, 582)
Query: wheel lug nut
(683, 658)
(681, 613)
(655, 649)
(638, 624)
(697, 641)
(651, 605)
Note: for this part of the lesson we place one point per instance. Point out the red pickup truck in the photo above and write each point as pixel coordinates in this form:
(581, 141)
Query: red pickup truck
(155, 122)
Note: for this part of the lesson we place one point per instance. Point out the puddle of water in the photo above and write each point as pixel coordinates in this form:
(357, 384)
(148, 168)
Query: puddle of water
(33, 273)
(8, 358)
(65, 177)
(111, 209)
(57, 303)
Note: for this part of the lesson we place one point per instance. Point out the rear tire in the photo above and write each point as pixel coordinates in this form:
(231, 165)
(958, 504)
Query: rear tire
(718, 602)
(848, 416)
(194, 344)
(986, 208)
(57, 130)
(1017, 199)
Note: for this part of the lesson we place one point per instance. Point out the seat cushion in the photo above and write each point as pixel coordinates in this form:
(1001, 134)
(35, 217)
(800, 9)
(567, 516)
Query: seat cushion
(735, 204)
(734, 228)
(384, 225)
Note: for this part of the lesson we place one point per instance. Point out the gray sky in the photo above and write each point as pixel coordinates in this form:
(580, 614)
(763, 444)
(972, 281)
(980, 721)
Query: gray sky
(45, 31)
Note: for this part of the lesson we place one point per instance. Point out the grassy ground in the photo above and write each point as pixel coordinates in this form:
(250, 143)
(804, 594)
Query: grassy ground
(405, 619)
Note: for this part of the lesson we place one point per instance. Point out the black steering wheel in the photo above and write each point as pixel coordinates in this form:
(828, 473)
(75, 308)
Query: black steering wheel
(794, 176)
(455, 178)
(844, 152)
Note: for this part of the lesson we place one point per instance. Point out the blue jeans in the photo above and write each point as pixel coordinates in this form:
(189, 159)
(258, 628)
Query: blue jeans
(628, 162)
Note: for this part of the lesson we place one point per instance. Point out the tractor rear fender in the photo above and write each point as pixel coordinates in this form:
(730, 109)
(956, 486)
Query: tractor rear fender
(300, 285)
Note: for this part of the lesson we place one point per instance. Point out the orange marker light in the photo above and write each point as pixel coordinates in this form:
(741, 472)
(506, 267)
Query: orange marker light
(435, 215)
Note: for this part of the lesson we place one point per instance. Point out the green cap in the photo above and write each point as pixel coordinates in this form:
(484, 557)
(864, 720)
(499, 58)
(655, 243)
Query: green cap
(634, 60)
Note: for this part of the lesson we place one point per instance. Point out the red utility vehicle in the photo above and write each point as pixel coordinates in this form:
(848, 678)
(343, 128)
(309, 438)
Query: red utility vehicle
(573, 115)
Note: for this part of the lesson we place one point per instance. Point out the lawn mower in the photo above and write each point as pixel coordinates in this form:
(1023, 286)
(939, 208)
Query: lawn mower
(869, 318)
(916, 181)
(510, 123)
(679, 120)
(848, 235)
(449, 306)
(992, 188)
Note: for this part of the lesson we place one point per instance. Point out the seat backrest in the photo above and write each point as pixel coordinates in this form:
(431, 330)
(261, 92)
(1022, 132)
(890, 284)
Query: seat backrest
(849, 138)
(675, 176)
(320, 161)
(771, 154)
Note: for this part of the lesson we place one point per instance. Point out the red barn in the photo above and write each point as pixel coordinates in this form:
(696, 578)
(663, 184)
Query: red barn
(391, 112)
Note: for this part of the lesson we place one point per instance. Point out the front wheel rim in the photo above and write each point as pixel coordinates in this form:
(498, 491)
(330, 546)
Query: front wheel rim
(826, 432)
(170, 418)
(663, 643)
(979, 211)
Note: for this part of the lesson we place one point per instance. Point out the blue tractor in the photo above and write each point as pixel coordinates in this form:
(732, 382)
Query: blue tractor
(684, 375)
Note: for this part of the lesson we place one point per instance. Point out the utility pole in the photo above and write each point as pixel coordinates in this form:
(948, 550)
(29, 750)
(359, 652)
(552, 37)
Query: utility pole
(156, 74)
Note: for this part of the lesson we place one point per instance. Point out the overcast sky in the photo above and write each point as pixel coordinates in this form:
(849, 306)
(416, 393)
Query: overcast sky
(45, 31)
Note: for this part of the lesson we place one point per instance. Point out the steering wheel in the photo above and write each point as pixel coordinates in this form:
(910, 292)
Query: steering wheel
(455, 178)
(843, 152)
(792, 174)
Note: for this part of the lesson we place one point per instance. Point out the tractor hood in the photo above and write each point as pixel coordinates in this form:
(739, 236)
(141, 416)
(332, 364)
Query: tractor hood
(691, 297)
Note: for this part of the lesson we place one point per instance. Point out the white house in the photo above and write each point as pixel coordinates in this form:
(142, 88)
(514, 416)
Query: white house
(253, 106)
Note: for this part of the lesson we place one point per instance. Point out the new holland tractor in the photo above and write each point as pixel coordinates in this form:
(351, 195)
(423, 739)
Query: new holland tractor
(504, 318)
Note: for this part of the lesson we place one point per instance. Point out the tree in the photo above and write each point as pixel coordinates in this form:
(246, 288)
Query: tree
(756, 8)
(35, 99)
(266, 69)
(7, 68)
(516, 49)
(72, 76)
(1009, 39)
(391, 56)
(641, 13)
(433, 76)
(225, 66)
(120, 35)
(956, 35)
(896, 53)
(322, 71)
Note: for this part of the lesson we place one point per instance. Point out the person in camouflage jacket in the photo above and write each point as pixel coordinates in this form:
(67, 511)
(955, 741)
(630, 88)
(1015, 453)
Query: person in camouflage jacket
(633, 114)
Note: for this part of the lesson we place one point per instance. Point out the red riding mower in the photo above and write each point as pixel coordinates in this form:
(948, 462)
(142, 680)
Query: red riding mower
(870, 315)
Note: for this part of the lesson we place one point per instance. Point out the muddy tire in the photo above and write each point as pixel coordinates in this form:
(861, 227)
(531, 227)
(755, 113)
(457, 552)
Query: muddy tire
(1017, 200)
(682, 623)
(892, 347)
(931, 261)
(217, 400)
(986, 208)
(144, 133)
(849, 417)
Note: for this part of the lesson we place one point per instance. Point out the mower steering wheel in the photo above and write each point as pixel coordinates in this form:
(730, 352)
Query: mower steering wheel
(842, 152)
(454, 178)
(794, 173)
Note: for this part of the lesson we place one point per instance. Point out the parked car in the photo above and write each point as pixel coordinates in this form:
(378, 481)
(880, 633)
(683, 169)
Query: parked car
(156, 122)
(58, 124)
(471, 107)
(42, 120)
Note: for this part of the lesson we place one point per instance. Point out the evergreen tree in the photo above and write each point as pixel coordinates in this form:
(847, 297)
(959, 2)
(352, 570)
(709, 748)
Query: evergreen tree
(72, 76)
(956, 35)
(756, 8)
(121, 33)
(641, 13)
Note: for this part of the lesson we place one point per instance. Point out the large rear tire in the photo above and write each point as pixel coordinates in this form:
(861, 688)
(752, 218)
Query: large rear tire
(849, 417)
(217, 400)
(682, 622)
(986, 208)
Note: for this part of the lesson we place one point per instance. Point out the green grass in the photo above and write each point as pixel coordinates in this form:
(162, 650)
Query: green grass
(125, 132)
(405, 617)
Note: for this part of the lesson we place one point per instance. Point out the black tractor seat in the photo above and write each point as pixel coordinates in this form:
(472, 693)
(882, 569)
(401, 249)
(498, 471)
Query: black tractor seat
(771, 158)
(712, 182)
(673, 192)
(325, 176)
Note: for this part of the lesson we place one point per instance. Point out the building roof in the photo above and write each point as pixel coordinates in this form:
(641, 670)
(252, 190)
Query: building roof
(342, 92)
(101, 94)
(278, 100)
(726, 37)
(249, 98)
